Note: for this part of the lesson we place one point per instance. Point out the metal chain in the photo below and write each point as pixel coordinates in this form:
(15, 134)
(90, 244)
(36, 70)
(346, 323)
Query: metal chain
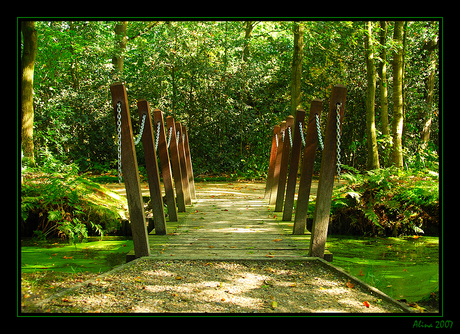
(141, 131)
(301, 133)
(320, 138)
(157, 136)
(119, 140)
(169, 135)
(290, 135)
(338, 141)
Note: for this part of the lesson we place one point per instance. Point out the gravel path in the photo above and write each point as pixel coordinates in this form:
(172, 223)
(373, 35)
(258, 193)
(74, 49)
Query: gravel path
(252, 286)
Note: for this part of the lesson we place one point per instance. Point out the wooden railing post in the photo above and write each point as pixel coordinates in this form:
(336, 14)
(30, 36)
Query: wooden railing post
(271, 166)
(188, 161)
(293, 165)
(175, 162)
(165, 166)
(276, 170)
(327, 172)
(131, 172)
(148, 143)
(284, 164)
(306, 174)
(183, 165)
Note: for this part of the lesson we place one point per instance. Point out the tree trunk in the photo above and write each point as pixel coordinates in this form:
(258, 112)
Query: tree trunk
(27, 88)
(398, 120)
(120, 46)
(296, 74)
(383, 80)
(372, 150)
(428, 117)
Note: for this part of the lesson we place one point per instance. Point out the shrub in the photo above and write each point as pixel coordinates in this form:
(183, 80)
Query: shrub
(388, 201)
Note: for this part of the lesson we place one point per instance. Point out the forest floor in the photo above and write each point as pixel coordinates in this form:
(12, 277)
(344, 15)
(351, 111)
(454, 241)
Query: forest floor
(227, 254)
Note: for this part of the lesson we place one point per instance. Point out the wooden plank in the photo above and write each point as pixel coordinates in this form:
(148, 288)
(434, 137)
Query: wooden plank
(271, 166)
(293, 166)
(327, 172)
(284, 165)
(175, 162)
(276, 170)
(148, 143)
(183, 165)
(306, 174)
(165, 163)
(131, 173)
(188, 161)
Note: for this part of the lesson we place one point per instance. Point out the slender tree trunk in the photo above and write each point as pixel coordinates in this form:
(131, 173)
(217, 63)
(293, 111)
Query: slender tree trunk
(428, 114)
(372, 149)
(383, 80)
(398, 120)
(249, 26)
(296, 74)
(120, 46)
(27, 88)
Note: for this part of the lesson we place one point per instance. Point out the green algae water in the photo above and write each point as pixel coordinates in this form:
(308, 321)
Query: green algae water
(403, 268)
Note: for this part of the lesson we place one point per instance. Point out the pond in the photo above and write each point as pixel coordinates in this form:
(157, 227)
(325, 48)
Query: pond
(403, 268)
(92, 255)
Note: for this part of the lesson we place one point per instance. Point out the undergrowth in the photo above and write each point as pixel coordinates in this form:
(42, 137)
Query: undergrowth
(389, 202)
(59, 202)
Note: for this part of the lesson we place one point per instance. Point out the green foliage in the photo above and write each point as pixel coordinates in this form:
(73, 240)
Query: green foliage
(195, 71)
(68, 205)
(388, 201)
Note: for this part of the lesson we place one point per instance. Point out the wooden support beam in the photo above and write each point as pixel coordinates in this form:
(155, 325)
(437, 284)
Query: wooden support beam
(188, 161)
(183, 165)
(271, 166)
(293, 166)
(175, 163)
(284, 164)
(148, 143)
(276, 170)
(327, 172)
(166, 173)
(131, 172)
(306, 175)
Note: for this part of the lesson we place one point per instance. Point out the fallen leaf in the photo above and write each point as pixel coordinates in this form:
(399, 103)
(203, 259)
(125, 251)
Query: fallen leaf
(274, 304)
(65, 300)
(178, 277)
(211, 246)
(276, 240)
(404, 269)
(360, 273)
(366, 304)
(350, 285)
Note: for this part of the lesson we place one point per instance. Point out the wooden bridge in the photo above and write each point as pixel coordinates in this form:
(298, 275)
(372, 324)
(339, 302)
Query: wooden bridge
(229, 220)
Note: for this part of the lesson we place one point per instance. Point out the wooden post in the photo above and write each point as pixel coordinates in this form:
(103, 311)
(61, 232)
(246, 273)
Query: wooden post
(148, 142)
(188, 161)
(131, 173)
(183, 165)
(306, 174)
(271, 166)
(175, 162)
(327, 172)
(276, 170)
(284, 165)
(170, 198)
(293, 166)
